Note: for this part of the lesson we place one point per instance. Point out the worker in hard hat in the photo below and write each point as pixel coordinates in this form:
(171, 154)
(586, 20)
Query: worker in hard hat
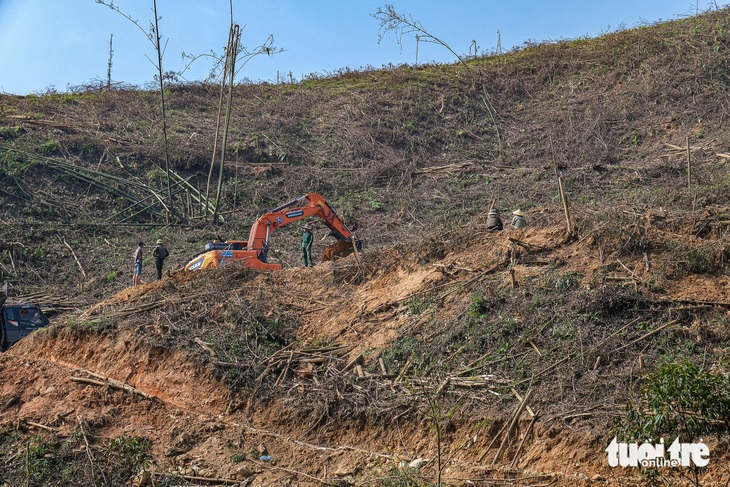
(160, 253)
(518, 220)
(494, 222)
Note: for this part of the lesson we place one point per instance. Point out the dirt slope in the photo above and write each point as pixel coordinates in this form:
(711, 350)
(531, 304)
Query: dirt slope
(197, 423)
(349, 375)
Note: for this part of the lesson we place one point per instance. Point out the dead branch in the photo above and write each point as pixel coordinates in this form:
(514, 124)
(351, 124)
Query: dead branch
(525, 245)
(548, 369)
(646, 335)
(446, 170)
(519, 398)
(698, 303)
(205, 347)
(83, 272)
(41, 426)
(100, 380)
(524, 438)
(513, 424)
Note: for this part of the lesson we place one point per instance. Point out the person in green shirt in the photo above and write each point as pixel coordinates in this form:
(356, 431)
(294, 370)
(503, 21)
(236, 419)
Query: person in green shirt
(307, 239)
(519, 220)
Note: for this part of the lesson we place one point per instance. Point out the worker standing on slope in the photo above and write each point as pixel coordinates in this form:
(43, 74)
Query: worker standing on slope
(518, 221)
(137, 264)
(494, 222)
(307, 239)
(160, 253)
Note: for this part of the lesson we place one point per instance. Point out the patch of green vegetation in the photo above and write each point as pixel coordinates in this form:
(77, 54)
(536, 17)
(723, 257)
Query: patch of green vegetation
(156, 176)
(13, 164)
(409, 126)
(50, 147)
(65, 98)
(40, 458)
(401, 477)
(565, 281)
(124, 456)
(679, 400)
(689, 259)
(632, 140)
(111, 276)
(8, 437)
(563, 330)
(510, 326)
(254, 336)
(238, 457)
(322, 341)
(87, 150)
(480, 307)
(11, 133)
(418, 304)
(34, 254)
(401, 351)
(353, 200)
(99, 325)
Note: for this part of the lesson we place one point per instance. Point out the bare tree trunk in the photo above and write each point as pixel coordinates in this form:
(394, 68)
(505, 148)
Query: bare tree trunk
(224, 75)
(162, 106)
(109, 65)
(231, 76)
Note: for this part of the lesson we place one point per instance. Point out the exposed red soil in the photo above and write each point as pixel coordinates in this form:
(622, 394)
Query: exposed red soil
(197, 424)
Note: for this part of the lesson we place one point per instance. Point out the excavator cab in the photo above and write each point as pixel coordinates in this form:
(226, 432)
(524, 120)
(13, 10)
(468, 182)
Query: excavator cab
(216, 253)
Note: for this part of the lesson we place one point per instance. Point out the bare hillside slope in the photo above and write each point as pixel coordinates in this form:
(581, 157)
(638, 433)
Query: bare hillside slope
(452, 355)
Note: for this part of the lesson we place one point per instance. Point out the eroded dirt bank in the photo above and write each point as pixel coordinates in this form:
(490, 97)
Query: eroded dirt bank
(169, 380)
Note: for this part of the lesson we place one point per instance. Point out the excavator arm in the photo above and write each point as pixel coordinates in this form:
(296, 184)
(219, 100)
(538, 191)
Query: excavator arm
(254, 251)
(311, 204)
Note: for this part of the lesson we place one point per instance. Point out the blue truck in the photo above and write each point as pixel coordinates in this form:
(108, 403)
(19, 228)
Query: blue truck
(18, 320)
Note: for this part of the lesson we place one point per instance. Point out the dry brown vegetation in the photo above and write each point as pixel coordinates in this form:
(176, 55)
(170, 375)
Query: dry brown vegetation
(345, 377)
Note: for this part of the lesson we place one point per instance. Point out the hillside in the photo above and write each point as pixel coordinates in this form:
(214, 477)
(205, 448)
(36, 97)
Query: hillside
(456, 354)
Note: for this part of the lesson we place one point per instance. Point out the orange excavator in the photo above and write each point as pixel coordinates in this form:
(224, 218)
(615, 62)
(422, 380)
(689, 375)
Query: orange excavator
(253, 252)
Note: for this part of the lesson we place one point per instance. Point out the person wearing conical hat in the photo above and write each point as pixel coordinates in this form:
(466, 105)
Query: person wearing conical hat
(518, 221)
(160, 253)
(307, 239)
(494, 222)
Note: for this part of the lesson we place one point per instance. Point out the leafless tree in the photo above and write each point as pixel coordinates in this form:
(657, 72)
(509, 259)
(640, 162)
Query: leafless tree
(405, 24)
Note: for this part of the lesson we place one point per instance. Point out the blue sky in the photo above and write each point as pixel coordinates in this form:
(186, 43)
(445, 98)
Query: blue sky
(64, 43)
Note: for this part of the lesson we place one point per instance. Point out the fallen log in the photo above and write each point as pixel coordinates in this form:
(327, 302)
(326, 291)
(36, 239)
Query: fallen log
(100, 380)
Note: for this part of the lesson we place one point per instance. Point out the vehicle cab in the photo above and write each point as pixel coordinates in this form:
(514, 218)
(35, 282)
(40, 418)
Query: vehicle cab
(18, 321)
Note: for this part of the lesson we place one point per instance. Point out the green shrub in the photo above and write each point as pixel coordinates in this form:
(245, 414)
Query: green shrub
(693, 260)
(418, 304)
(49, 148)
(480, 307)
(565, 281)
(11, 133)
(124, 456)
(680, 400)
(111, 276)
(238, 457)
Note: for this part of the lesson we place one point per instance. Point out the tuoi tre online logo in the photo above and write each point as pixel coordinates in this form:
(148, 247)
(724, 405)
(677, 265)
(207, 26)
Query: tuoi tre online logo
(655, 455)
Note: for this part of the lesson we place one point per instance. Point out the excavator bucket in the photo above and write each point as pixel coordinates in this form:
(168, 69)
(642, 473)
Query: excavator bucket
(337, 250)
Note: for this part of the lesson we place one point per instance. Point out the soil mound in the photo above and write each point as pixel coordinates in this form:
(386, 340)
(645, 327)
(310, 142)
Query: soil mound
(337, 250)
